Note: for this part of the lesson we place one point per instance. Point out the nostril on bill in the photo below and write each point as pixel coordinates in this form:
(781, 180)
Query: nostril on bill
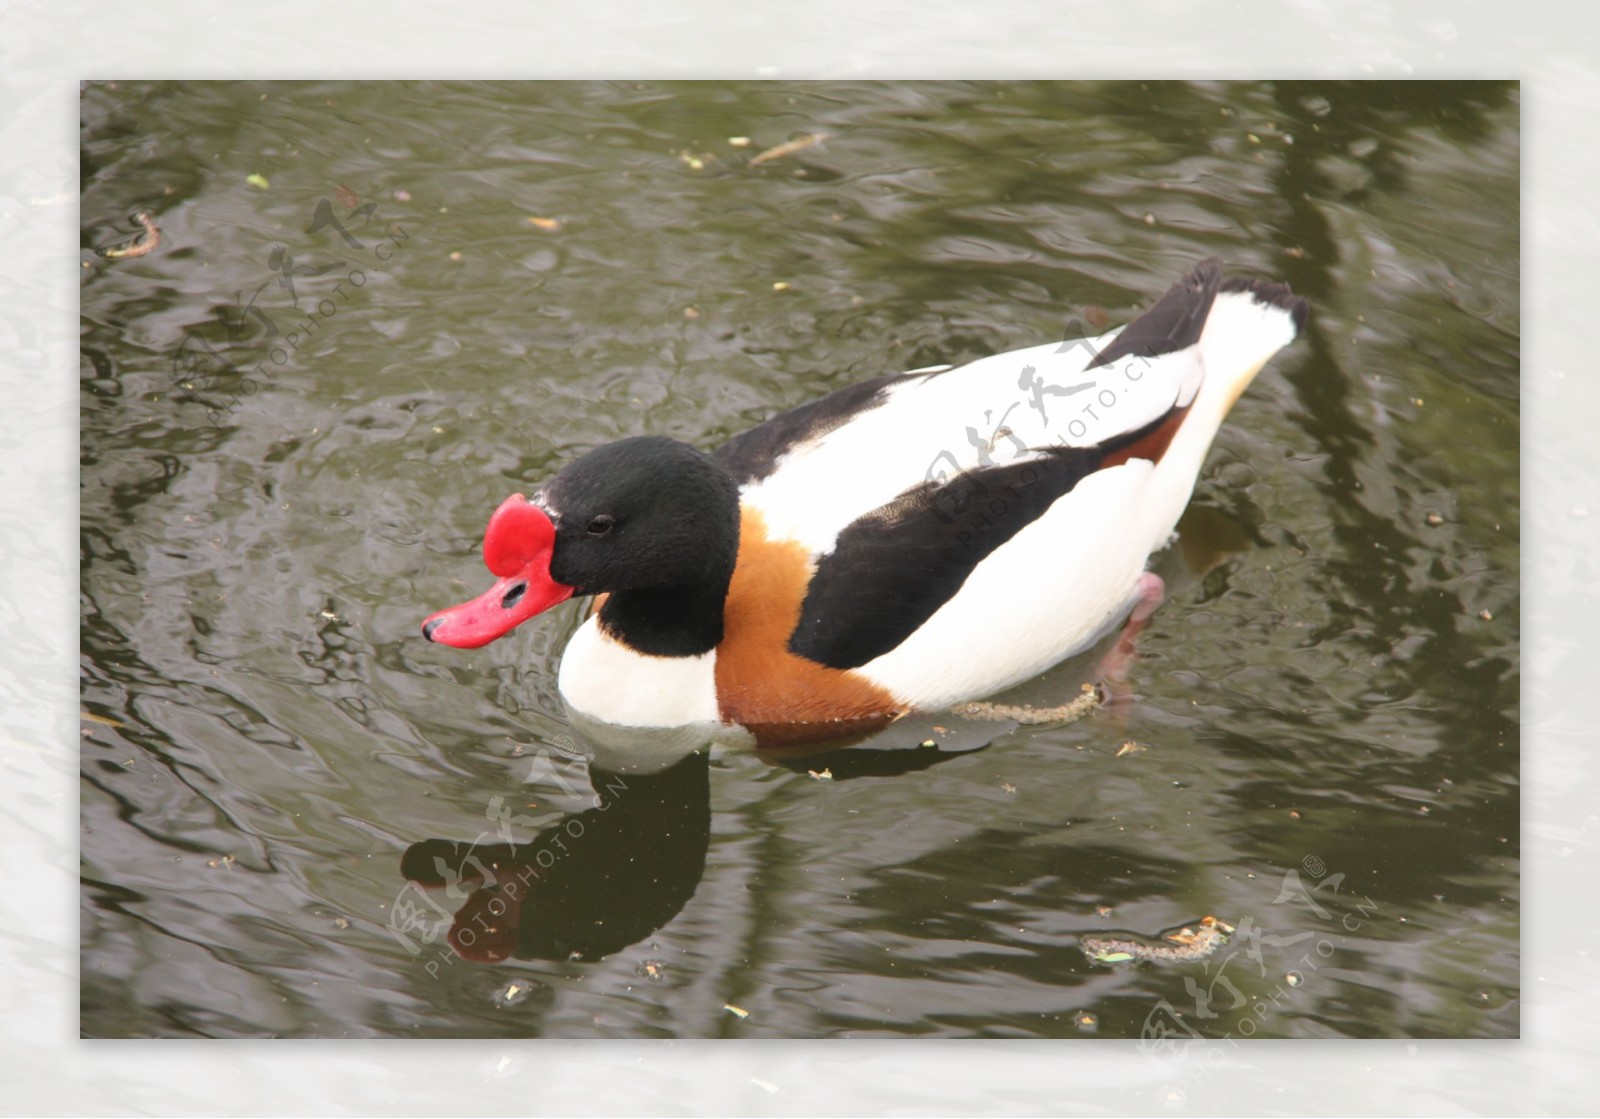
(513, 596)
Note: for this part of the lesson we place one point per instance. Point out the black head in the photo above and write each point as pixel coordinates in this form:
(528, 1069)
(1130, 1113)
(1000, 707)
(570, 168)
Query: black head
(646, 513)
(650, 522)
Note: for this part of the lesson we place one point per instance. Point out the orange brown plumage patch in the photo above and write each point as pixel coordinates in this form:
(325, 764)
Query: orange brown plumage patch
(763, 686)
(1153, 444)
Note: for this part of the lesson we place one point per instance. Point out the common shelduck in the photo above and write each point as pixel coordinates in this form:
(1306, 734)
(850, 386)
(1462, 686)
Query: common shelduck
(903, 544)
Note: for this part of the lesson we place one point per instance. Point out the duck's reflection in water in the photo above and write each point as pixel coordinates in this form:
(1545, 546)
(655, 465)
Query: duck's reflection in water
(587, 886)
(599, 880)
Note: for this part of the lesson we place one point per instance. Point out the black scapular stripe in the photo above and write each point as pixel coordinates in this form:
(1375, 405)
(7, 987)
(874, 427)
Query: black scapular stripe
(894, 567)
(754, 454)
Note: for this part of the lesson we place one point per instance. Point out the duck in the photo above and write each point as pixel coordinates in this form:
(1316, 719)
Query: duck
(903, 544)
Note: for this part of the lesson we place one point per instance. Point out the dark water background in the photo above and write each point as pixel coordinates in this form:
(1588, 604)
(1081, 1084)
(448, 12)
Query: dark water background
(1329, 697)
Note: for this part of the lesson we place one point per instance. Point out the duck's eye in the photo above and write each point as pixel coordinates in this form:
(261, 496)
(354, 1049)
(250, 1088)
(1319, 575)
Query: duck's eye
(601, 525)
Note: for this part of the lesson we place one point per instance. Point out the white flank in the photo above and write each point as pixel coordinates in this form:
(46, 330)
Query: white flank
(1051, 590)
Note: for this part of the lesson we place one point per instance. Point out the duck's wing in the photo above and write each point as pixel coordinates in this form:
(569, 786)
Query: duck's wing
(891, 569)
(899, 487)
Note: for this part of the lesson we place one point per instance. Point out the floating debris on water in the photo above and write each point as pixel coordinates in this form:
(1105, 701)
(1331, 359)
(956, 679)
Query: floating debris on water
(1033, 716)
(821, 774)
(1188, 944)
(781, 150)
(738, 141)
(1086, 1022)
(1108, 953)
(348, 198)
(512, 993)
(1008, 786)
(737, 1011)
(1294, 979)
(550, 225)
(1434, 520)
(653, 970)
(259, 181)
(142, 245)
(1131, 747)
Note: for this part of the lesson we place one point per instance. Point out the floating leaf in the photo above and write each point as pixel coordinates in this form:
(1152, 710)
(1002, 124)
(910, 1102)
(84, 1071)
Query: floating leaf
(789, 148)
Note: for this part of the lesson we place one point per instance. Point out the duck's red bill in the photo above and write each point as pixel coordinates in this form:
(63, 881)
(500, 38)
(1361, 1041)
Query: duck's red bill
(517, 547)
